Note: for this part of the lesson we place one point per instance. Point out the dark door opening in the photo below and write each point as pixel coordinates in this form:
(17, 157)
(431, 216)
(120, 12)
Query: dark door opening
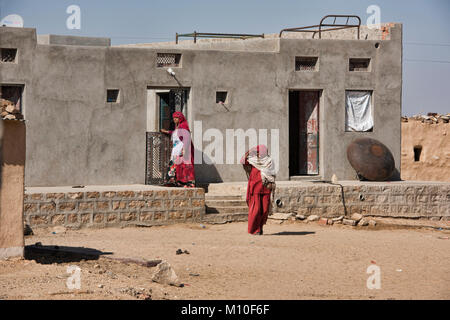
(304, 132)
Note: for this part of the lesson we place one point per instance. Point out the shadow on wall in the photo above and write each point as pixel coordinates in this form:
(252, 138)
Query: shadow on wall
(206, 173)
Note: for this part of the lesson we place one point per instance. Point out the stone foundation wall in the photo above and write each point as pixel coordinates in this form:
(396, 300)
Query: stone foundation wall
(114, 208)
(396, 201)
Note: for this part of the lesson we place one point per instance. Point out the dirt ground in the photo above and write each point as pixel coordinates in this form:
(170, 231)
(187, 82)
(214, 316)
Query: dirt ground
(292, 260)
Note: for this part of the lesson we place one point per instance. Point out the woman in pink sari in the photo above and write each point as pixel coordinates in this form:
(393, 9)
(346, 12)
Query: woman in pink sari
(261, 184)
(181, 166)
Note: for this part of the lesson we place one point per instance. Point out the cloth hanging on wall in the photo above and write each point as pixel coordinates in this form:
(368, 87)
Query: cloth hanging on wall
(358, 108)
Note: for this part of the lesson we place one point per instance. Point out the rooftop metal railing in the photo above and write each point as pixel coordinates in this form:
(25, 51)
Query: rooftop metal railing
(196, 35)
(327, 25)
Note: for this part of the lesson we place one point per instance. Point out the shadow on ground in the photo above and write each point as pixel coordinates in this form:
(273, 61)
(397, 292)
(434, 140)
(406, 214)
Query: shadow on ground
(292, 233)
(61, 254)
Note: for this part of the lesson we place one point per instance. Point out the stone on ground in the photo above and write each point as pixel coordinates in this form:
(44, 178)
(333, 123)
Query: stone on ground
(164, 274)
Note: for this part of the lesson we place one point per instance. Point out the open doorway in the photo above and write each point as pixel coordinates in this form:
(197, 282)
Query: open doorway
(161, 104)
(304, 132)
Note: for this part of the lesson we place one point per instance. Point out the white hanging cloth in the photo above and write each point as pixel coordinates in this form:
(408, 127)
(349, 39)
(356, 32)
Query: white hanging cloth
(358, 111)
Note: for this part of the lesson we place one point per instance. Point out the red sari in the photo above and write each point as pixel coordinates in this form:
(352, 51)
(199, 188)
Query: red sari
(258, 201)
(184, 165)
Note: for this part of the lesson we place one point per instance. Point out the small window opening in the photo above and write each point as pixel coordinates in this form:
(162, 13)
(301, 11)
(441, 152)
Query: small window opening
(112, 95)
(221, 97)
(417, 152)
(359, 64)
(8, 55)
(11, 99)
(306, 63)
(168, 60)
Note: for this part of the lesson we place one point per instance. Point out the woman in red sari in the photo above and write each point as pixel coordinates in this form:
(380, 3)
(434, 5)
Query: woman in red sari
(181, 166)
(261, 184)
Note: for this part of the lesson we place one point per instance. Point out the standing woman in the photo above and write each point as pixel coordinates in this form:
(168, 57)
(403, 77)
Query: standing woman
(261, 184)
(181, 165)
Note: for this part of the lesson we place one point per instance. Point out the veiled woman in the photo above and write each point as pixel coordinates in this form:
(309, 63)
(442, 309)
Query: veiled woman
(261, 184)
(181, 166)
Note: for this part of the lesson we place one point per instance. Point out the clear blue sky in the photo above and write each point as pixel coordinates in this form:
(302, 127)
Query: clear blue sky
(426, 25)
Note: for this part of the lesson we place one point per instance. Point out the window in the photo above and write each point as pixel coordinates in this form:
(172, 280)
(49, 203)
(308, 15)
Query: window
(417, 152)
(221, 97)
(168, 60)
(8, 55)
(306, 63)
(358, 110)
(112, 95)
(11, 95)
(359, 64)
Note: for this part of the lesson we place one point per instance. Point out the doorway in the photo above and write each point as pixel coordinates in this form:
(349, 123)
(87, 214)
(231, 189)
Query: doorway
(161, 104)
(304, 132)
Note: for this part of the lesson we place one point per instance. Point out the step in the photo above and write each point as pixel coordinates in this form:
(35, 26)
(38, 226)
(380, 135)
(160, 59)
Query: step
(305, 178)
(219, 218)
(223, 197)
(226, 209)
(228, 188)
(225, 203)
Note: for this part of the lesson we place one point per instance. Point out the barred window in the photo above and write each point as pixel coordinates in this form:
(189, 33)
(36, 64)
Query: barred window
(168, 60)
(306, 63)
(8, 55)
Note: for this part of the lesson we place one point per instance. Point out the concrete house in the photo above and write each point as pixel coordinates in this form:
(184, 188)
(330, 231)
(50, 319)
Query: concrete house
(88, 105)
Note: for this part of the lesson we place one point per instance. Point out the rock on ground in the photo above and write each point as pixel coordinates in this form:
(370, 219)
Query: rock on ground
(313, 217)
(164, 274)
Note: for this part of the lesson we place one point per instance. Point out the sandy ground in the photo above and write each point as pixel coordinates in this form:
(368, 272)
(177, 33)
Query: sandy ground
(292, 260)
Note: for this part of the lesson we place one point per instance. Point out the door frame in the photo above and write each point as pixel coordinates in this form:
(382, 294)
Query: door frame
(152, 105)
(320, 133)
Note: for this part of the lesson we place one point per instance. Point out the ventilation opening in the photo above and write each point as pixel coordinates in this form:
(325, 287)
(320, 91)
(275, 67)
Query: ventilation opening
(306, 63)
(168, 60)
(221, 97)
(112, 95)
(8, 55)
(359, 64)
(417, 152)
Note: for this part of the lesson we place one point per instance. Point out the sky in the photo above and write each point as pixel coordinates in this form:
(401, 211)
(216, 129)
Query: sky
(426, 29)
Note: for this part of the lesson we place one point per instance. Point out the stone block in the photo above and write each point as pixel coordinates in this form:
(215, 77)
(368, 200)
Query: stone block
(36, 220)
(146, 216)
(109, 194)
(128, 216)
(54, 196)
(136, 204)
(119, 205)
(86, 218)
(37, 196)
(58, 219)
(349, 222)
(71, 218)
(75, 195)
(98, 217)
(92, 195)
(47, 207)
(67, 206)
(112, 218)
(125, 194)
(85, 206)
(31, 208)
(309, 200)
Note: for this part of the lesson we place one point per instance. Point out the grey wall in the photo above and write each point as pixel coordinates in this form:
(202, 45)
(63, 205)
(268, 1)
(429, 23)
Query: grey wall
(75, 137)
